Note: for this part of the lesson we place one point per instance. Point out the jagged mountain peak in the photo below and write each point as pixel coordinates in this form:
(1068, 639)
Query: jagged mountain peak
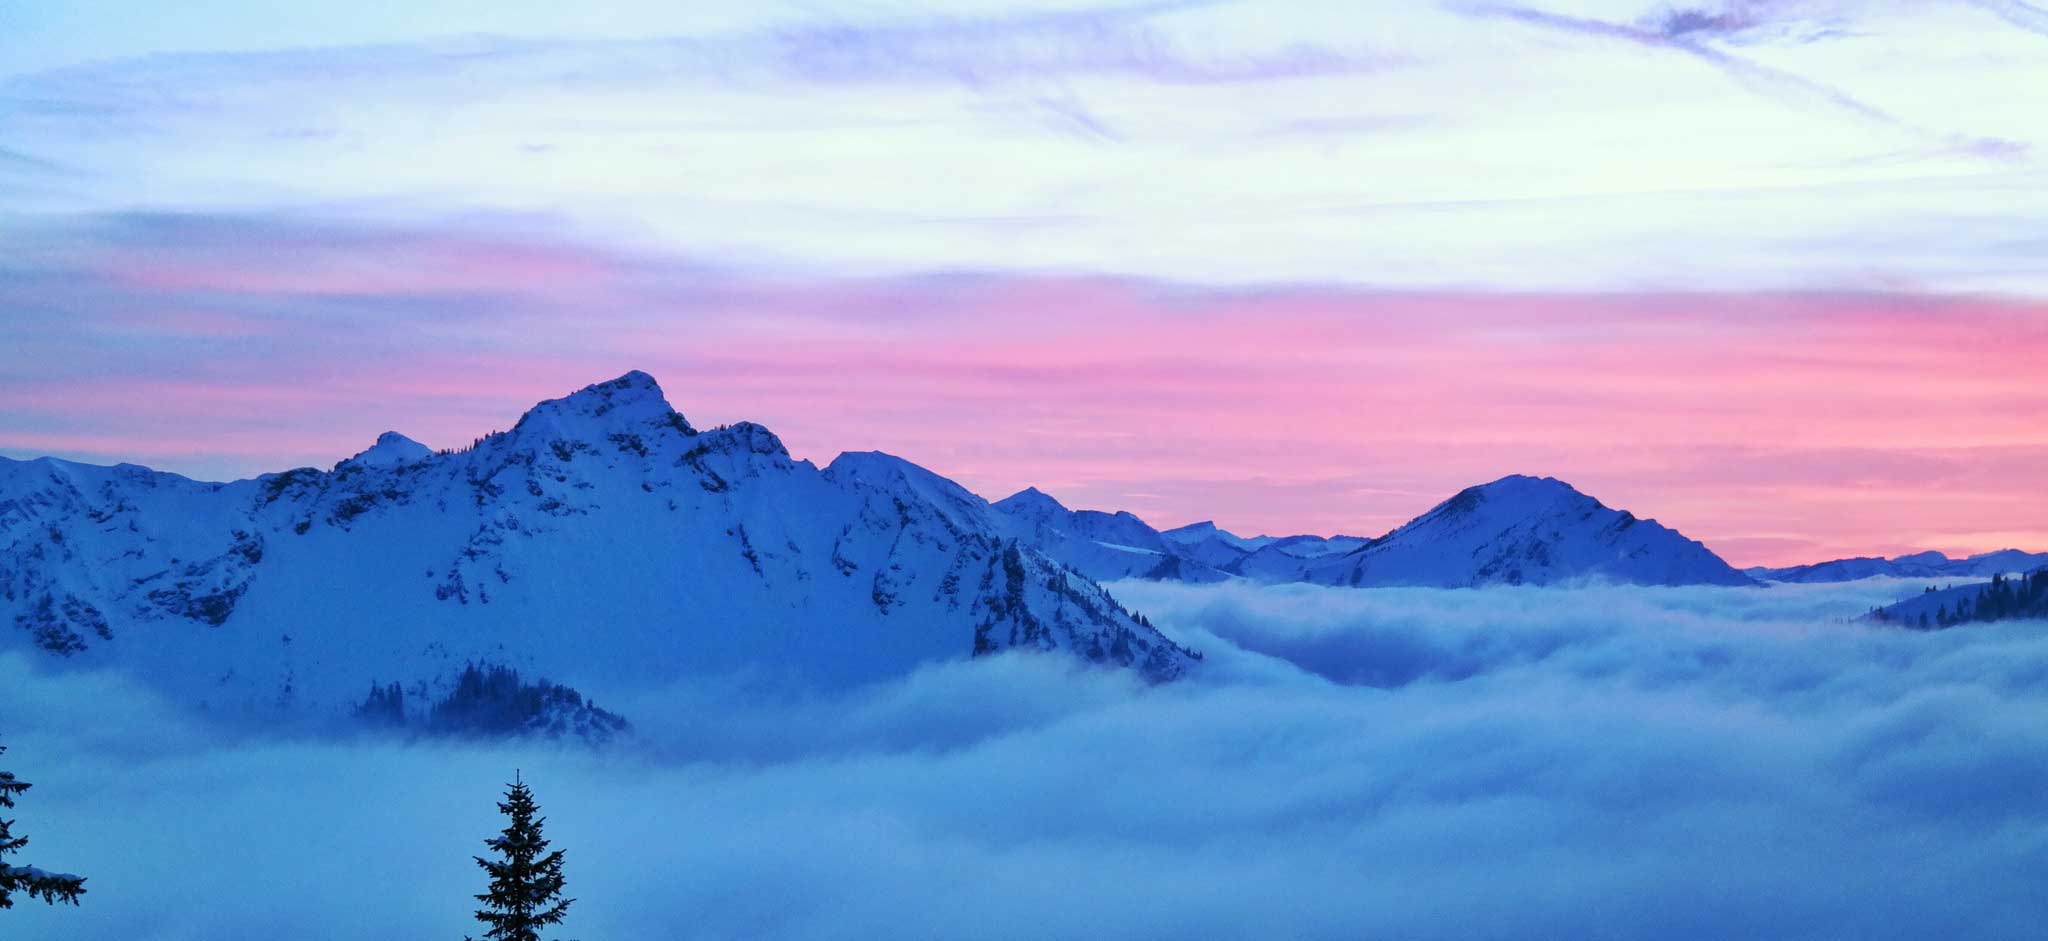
(1103, 545)
(1037, 507)
(391, 450)
(1192, 532)
(748, 436)
(631, 403)
(1030, 500)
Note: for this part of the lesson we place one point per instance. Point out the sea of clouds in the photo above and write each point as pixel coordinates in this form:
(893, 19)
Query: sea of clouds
(1596, 762)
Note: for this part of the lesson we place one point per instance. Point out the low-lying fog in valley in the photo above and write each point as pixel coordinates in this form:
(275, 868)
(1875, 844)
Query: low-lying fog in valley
(1510, 762)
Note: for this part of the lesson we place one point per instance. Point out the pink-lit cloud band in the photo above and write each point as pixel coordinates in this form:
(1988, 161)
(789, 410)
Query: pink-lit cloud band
(1777, 427)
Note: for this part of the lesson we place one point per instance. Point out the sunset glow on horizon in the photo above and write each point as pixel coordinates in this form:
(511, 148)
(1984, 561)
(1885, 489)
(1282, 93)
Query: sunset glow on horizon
(1780, 289)
(1777, 427)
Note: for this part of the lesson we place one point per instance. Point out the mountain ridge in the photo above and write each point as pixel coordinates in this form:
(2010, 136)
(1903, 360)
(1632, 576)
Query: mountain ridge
(1925, 564)
(604, 514)
(1525, 530)
(601, 538)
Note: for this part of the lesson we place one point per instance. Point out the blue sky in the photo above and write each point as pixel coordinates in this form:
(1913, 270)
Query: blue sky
(1601, 145)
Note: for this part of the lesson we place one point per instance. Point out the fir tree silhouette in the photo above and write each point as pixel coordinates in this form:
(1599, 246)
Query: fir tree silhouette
(51, 887)
(526, 880)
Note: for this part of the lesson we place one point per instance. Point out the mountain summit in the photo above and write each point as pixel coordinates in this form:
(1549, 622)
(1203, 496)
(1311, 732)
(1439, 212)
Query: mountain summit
(1522, 530)
(391, 450)
(606, 540)
(1517, 530)
(1103, 545)
(602, 541)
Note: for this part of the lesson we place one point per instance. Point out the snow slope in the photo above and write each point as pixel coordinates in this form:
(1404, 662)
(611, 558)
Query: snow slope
(1207, 531)
(1261, 557)
(1515, 531)
(602, 542)
(1105, 546)
(1215, 548)
(392, 450)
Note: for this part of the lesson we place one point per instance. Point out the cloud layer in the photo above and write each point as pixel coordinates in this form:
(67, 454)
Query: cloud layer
(1612, 763)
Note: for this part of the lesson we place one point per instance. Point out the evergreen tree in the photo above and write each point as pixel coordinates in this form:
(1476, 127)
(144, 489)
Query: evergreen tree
(51, 887)
(526, 880)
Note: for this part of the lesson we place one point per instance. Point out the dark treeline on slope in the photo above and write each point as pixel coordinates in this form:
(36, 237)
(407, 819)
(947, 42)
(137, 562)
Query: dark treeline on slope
(51, 887)
(1999, 600)
(492, 700)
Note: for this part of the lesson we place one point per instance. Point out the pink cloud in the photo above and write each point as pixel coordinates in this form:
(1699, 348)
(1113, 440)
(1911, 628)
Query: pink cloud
(315, 264)
(1776, 427)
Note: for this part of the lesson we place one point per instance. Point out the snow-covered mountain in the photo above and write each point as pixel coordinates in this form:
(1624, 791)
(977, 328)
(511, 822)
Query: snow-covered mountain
(605, 543)
(1103, 545)
(391, 450)
(1262, 557)
(601, 542)
(1514, 531)
(1916, 565)
(1207, 531)
(1216, 548)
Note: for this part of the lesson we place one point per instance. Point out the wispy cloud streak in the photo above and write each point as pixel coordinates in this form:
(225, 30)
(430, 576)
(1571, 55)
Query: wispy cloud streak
(1016, 138)
(1677, 34)
(2024, 15)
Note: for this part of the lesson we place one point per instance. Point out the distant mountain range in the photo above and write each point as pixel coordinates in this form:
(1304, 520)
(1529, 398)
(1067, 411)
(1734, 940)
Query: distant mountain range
(605, 539)
(1514, 531)
(1525, 530)
(1917, 565)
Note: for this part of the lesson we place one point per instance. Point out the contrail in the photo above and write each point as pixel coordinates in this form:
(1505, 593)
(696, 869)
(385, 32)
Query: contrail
(1761, 78)
(2024, 15)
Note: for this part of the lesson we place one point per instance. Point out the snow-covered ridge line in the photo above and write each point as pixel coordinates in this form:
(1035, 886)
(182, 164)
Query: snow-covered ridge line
(1915, 565)
(1515, 530)
(605, 539)
(602, 541)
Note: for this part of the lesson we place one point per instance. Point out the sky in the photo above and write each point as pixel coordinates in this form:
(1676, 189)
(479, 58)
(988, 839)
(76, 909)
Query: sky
(1700, 763)
(1767, 271)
